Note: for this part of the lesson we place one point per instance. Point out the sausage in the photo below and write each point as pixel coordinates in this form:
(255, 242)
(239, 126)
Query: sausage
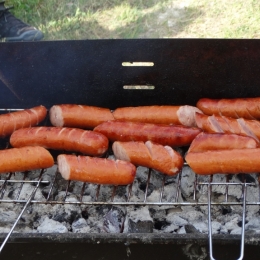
(171, 135)
(225, 161)
(25, 159)
(222, 124)
(177, 115)
(96, 170)
(20, 119)
(81, 116)
(58, 138)
(248, 108)
(205, 142)
(161, 158)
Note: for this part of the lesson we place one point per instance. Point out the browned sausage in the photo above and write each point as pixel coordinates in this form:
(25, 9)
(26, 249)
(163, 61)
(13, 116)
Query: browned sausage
(81, 116)
(20, 119)
(205, 142)
(58, 138)
(171, 135)
(248, 108)
(148, 154)
(221, 124)
(24, 159)
(225, 161)
(96, 170)
(178, 115)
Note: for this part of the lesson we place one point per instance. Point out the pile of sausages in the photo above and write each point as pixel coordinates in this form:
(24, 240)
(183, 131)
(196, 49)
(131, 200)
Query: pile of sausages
(223, 136)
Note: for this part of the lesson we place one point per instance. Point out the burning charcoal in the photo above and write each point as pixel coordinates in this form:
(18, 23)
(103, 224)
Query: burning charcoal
(201, 226)
(113, 220)
(187, 182)
(170, 193)
(223, 230)
(27, 191)
(246, 178)
(216, 227)
(189, 229)
(253, 223)
(232, 225)
(192, 215)
(51, 226)
(139, 221)
(170, 228)
(181, 231)
(7, 216)
(236, 231)
(80, 226)
(176, 220)
(140, 226)
(142, 176)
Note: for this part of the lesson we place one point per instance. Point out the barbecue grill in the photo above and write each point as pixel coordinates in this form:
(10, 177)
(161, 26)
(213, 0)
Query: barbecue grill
(117, 73)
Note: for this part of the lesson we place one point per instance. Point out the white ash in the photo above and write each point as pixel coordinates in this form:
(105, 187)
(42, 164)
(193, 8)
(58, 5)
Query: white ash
(51, 226)
(80, 226)
(179, 219)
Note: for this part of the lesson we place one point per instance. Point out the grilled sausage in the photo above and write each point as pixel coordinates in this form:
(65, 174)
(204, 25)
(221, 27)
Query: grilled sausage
(20, 119)
(205, 142)
(148, 154)
(225, 161)
(58, 138)
(248, 108)
(221, 124)
(81, 116)
(178, 115)
(136, 131)
(24, 159)
(96, 170)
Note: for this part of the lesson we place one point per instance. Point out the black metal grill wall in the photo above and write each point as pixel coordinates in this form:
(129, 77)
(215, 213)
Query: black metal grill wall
(91, 71)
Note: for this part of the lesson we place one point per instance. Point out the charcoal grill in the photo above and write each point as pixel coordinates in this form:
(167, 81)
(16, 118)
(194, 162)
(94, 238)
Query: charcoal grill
(116, 73)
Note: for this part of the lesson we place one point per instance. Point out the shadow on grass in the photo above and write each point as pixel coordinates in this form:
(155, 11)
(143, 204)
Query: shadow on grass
(158, 24)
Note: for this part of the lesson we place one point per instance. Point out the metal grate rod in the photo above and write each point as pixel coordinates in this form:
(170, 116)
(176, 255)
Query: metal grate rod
(21, 186)
(162, 188)
(4, 185)
(178, 186)
(147, 184)
(18, 218)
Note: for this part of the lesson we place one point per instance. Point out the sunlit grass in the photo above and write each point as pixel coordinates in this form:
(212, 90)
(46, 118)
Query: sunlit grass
(91, 19)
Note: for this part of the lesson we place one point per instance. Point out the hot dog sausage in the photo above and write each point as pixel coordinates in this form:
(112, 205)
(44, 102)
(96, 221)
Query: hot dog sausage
(96, 170)
(178, 115)
(81, 116)
(248, 108)
(58, 138)
(24, 159)
(205, 142)
(148, 154)
(20, 119)
(225, 161)
(136, 131)
(221, 124)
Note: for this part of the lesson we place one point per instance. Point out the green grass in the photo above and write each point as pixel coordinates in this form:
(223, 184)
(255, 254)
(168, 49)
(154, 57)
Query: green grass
(91, 19)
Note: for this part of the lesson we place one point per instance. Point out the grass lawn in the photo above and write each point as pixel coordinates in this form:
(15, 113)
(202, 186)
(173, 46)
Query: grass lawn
(91, 19)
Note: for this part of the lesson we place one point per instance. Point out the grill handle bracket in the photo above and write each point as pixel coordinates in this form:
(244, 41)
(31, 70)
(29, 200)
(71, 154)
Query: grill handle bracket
(242, 243)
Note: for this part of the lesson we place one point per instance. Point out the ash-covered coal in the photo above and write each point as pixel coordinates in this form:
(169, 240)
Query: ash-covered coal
(185, 216)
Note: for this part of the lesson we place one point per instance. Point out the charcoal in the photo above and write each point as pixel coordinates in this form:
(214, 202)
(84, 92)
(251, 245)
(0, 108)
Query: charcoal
(140, 221)
(179, 219)
(113, 220)
(80, 226)
(190, 229)
(140, 227)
